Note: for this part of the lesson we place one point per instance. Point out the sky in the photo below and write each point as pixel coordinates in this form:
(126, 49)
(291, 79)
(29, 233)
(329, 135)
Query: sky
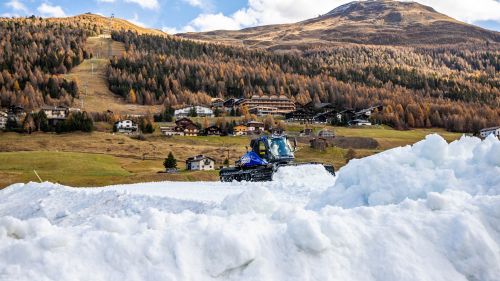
(174, 16)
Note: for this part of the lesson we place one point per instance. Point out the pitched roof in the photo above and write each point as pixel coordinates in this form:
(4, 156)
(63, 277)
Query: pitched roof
(199, 158)
(184, 119)
(191, 127)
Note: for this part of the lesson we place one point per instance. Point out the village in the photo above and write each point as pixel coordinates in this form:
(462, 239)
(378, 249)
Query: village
(226, 118)
(313, 124)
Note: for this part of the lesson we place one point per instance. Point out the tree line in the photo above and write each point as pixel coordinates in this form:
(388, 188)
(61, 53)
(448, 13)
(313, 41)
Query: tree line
(38, 122)
(34, 53)
(419, 87)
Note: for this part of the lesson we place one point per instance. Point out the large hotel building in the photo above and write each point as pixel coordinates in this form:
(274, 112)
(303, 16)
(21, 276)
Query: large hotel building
(272, 105)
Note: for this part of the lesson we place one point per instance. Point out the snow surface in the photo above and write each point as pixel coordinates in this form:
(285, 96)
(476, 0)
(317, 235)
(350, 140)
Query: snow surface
(425, 212)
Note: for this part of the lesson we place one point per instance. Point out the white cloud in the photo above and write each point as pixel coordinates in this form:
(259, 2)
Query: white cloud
(135, 20)
(106, 1)
(196, 3)
(47, 10)
(214, 22)
(261, 12)
(173, 30)
(205, 5)
(17, 5)
(146, 4)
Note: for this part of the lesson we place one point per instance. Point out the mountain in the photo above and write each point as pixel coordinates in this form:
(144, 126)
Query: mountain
(47, 62)
(367, 22)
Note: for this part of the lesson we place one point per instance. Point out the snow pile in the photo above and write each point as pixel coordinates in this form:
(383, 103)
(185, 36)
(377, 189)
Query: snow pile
(432, 165)
(301, 181)
(448, 229)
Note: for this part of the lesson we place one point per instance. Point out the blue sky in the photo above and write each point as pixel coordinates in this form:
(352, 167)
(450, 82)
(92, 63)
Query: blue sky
(201, 15)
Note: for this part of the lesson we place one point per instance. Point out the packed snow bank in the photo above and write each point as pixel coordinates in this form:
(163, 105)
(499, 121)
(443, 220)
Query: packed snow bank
(262, 231)
(432, 165)
(449, 236)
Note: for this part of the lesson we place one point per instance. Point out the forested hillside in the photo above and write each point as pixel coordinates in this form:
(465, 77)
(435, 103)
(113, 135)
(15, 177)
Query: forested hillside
(33, 52)
(455, 88)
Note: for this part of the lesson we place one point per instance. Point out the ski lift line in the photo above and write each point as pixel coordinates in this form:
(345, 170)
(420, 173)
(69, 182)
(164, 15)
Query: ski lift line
(40, 179)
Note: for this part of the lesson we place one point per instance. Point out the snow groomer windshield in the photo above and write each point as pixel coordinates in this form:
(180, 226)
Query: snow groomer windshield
(280, 147)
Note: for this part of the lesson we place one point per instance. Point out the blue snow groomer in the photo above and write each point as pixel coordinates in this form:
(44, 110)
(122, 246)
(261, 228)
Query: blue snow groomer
(267, 155)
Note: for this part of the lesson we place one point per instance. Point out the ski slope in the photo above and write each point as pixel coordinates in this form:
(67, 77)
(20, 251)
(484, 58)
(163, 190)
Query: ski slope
(425, 212)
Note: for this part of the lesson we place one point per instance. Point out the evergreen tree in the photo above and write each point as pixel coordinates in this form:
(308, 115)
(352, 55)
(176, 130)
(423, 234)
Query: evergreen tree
(146, 126)
(42, 121)
(217, 112)
(170, 162)
(29, 124)
(192, 112)
(168, 114)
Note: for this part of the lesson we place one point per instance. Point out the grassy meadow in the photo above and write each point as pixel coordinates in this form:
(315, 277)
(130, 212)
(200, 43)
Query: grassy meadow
(102, 158)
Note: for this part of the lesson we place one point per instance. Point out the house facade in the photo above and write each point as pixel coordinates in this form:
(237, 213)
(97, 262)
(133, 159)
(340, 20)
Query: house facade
(240, 130)
(484, 133)
(183, 122)
(326, 117)
(217, 103)
(55, 114)
(254, 127)
(300, 115)
(201, 111)
(200, 163)
(126, 127)
(278, 105)
(366, 113)
(183, 127)
(232, 103)
(359, 122)
(171, 131)
(191, 130)
(264, 110)
(3, 120)
(212, 131)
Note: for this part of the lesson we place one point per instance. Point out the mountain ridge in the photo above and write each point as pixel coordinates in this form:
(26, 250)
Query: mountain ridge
(380, 22)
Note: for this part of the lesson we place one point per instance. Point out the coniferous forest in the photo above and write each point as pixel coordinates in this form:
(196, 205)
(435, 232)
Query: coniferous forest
(457, 88)
(33, 55)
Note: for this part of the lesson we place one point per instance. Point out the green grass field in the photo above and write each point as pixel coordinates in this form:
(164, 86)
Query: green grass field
(86, 169)
(63, 167)
(101, 158)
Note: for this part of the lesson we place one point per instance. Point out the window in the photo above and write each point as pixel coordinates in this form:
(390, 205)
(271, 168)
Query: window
(262, 149)
(280, 147)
